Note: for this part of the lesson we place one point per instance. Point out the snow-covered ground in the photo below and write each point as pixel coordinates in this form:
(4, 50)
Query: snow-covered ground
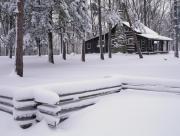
(38, 71)
(129, 113)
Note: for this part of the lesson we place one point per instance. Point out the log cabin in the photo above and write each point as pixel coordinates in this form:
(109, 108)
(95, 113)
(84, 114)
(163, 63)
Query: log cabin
(150, 42)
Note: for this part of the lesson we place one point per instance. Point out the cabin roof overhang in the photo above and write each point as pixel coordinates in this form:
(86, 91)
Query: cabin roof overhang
(155, 37)
(141, 28)
(148, 33)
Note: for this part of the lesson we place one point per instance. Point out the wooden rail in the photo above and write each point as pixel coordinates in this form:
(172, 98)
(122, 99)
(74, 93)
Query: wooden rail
(71, 102)
(23, 110)
(152, 87)
(6, 104)
(27, 111)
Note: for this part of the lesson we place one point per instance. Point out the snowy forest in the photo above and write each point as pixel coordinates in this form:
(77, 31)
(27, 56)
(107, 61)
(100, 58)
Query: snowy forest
(89, 67)
(60, 27)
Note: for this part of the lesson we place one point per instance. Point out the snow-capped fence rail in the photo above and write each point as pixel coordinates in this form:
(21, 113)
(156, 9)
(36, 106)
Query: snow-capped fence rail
(54, 103)
(19, 104)
(25, 112)
(6, 104)
(156, 87)
(72, 101)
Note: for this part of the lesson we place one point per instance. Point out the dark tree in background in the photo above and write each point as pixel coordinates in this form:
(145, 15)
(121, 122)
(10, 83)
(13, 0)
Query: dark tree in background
(19, 40)
(11, 26)
(64, 50)
(109, 35)
(38, 43)
(145, 13)
(176, 27)
(83, 52)
(50, 42)
(100, 31)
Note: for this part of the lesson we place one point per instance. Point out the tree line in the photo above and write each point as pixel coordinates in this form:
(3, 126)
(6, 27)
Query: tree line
(25, 23)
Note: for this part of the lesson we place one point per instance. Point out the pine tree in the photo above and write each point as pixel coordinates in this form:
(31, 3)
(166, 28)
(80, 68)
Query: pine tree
(7, 20)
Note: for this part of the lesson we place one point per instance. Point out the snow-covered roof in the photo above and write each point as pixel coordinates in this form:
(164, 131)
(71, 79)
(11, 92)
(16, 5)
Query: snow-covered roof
(156, 37)
(143, 29)
(146, 32)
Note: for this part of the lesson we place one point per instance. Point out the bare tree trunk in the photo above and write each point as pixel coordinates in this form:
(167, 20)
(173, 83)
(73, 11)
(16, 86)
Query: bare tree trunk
(61, 42)
(134, 33)
(11, 27)
(50, 50)
(64, 50)
(73, 45)
(19, 40)
(0, 49)
(6, 51)
(176, 29)
(67, 47)
(50, 40)
(10, 51)
(109, 35)
(92, 22)
(83, 57)
(64, 46)
(145, 13)
(100, 31)
(38, 45)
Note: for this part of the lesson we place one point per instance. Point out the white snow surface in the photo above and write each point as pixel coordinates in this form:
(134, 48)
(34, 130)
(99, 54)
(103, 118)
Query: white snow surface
(129, 113)
(73, 75)
(47, 97)
(37, 70)
(44, 81)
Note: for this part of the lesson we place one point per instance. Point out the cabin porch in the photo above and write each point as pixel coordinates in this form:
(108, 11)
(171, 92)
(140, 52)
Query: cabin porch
(153, 46)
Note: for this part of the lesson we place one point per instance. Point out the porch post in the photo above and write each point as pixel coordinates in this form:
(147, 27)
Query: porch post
(147, 45)
(151, 45)
(152, 42)
(159, 46)
(167, 46)
(163, 46)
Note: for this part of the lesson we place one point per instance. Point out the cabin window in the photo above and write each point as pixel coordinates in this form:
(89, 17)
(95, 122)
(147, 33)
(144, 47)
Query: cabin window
(126, 29)
(130, 41)
(89, 46)
(143, 42)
